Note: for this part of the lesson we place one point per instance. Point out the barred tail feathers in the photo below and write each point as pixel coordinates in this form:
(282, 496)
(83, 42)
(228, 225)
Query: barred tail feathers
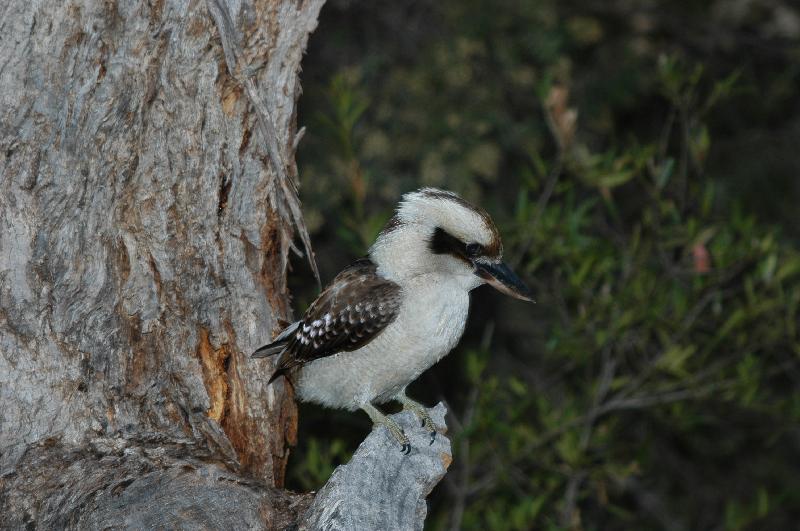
(278, 344)
(269, 350)
(277, 348)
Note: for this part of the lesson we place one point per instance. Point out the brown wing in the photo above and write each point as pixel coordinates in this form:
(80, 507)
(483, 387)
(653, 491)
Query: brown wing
(348, 314)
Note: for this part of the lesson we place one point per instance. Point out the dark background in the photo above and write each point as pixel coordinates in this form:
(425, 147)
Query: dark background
(641, 161)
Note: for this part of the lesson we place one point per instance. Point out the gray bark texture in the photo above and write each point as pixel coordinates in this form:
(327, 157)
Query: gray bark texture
(381, 488)
(144, 233)
(147, 208)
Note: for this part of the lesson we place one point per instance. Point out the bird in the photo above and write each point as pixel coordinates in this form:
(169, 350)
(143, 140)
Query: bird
(393, 314)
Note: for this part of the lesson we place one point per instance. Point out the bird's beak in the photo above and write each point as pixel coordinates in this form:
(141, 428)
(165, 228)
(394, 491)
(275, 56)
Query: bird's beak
(503, 279)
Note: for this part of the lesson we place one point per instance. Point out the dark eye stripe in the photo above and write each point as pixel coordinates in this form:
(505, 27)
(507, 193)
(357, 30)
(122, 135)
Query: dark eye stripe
(443, 242)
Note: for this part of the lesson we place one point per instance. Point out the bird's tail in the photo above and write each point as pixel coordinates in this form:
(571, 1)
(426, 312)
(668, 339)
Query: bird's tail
(277, 347)
(278, 344)
(269, 350)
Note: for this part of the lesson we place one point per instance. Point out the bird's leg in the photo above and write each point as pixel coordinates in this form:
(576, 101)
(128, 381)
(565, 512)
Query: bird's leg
(396, 431)
(420, 411)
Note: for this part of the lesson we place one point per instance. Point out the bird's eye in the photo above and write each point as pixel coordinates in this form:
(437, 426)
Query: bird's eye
(474, 249)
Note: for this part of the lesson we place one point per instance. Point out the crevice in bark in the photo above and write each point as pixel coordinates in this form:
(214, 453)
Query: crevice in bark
(224, 190)
(245, 138)
(215, 377)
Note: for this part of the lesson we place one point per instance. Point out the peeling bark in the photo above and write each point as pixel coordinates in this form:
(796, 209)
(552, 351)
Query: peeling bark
(144, 234)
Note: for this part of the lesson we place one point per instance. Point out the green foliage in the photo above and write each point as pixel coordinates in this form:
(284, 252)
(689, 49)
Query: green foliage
(321, 456)
(654, 385)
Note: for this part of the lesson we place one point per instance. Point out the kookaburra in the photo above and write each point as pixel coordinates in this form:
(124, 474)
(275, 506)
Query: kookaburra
(390, 316)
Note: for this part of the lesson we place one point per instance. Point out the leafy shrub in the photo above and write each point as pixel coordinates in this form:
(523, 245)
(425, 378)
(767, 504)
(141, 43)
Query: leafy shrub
(655, 383)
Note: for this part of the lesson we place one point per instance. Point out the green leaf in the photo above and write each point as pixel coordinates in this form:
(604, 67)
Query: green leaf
(673, 360)
(768, 268)
(476, 364)
(568, 446)
(789, 268)
(517, 386)
(615, 179)
(762, 503)
(665, 171)
(734, 320)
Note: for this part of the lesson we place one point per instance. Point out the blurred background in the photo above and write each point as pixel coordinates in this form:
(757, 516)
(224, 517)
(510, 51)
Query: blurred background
(641, 159)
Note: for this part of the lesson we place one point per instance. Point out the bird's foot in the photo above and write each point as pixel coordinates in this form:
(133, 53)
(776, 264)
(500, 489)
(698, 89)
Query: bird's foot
(427, 423)
(399, 435)
(379, 419)
(422, 413)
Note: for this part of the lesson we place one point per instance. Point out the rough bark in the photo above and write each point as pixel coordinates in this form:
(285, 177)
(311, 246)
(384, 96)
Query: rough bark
(144, 232)
(147, 207)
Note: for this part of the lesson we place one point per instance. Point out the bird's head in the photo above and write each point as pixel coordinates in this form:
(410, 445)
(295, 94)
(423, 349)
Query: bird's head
(435, 231)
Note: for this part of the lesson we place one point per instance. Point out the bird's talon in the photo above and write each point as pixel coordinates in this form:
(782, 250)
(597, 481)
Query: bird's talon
(405, 449)
(433, 438)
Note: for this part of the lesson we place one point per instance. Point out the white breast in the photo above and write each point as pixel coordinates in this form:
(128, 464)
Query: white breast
(430, 323)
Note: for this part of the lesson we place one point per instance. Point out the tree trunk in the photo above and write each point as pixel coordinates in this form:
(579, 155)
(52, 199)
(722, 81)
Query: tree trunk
(148, 206)
(146, 213)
